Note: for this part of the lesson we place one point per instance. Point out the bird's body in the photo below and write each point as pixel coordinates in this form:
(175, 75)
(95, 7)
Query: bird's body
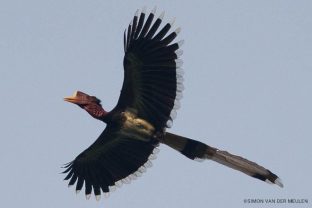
(147, 104)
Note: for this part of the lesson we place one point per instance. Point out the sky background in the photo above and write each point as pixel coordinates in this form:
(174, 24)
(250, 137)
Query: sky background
(248, 84)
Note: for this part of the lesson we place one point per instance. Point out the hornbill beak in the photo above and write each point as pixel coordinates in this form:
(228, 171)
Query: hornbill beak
(77, 98)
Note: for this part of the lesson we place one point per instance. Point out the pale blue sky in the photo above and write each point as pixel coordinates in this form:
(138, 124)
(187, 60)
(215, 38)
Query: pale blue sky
(248, 72)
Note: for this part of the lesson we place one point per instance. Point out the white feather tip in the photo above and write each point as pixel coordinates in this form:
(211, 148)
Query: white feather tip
(136, 13)
(156, 150)
(179, 53)
(178, 30)
(154, 10)
(161, 16)
(106, 194)
(97, 197)
(172, 22)
(88, 196)
(180, 43)
(178, 62)
(144, 10)
(112, 188)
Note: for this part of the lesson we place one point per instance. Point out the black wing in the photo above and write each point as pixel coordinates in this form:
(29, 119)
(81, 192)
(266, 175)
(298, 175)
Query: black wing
(152, 87)
(152, 75)
(113, 159)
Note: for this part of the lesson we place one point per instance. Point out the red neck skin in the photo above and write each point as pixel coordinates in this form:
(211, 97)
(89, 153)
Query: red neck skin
(97, 111)
(104, 117)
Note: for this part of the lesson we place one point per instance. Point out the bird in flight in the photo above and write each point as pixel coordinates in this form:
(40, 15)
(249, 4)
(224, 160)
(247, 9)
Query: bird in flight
(135, 127)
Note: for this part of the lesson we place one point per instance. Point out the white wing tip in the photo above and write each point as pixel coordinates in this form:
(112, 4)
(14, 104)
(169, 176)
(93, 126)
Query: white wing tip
(178, 62)
(77, 191)
(180, 43)
(144, 10)
(177, 104)
(199, 159)
(137, 174)
(161, 16)
(178, 30)
(106, 194)
(136, 13)
(97, 197)
(88, 196)
(132, 177)
(152, 157)
(142, 169)
(156, 150)
(126, 180)
(154, 10)
(148, 164)
(169, 123)
(179, 53)
(112, 188)
(172, 21)
(118, 184)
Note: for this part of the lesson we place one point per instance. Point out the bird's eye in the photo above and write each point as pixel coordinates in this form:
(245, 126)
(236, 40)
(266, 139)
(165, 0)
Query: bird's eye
(98, 101)
(95, 99)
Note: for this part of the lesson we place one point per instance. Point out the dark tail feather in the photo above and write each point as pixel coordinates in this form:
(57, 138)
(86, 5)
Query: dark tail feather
(196, 150)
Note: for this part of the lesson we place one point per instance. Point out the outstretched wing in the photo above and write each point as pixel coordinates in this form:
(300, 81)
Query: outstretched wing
(152, 76)
(113, 159)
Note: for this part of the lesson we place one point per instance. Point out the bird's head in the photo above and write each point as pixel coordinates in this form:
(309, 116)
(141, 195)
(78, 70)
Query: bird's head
(90, 103)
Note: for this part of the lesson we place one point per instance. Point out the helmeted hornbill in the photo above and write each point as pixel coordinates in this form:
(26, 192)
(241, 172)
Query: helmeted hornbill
(148, 101)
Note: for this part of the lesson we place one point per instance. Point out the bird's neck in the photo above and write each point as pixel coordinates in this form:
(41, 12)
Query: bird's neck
(97, 111)
(104, 117)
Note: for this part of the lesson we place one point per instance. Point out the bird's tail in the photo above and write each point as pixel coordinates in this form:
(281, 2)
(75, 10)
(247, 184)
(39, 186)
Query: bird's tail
(196, 150)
